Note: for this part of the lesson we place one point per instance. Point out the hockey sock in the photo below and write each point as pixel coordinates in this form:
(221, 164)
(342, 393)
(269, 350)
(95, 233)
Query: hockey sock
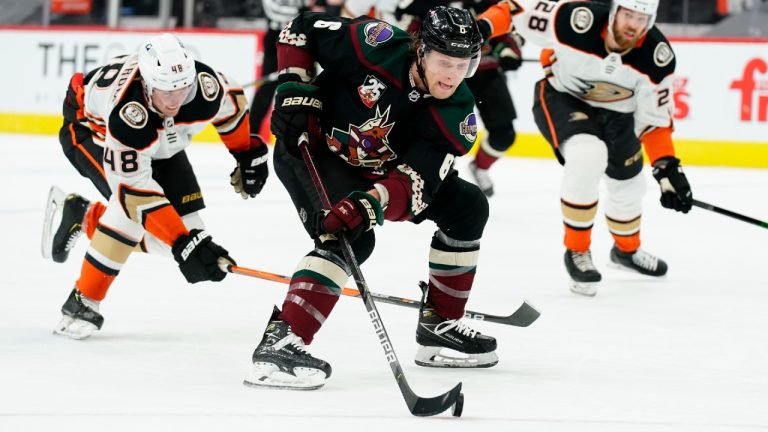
(451, 274)
(106, 255)
(313, 292)
(578, 220)
(92, 216)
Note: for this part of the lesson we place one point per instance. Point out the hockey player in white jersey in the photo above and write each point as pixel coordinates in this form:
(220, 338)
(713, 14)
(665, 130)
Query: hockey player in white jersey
(608, 86)
(126, 125)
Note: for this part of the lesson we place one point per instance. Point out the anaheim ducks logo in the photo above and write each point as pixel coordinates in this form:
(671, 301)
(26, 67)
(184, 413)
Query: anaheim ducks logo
(134, 115)
(600, 91)
(366, 145)
(208, 85)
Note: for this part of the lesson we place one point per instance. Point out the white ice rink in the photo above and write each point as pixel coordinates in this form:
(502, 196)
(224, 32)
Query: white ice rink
(685, 353)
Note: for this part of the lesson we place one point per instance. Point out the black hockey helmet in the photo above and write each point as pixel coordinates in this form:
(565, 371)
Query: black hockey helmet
(451, 31)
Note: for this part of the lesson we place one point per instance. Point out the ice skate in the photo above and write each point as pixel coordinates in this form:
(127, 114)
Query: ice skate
(451, 343)
(63, 223)
(482, 179)
(639, 261)
(80, 318)
(282, 361)
(584, 275)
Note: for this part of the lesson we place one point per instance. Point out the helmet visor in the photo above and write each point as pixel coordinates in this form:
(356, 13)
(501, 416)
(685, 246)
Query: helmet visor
(169, 101)
(457, 67)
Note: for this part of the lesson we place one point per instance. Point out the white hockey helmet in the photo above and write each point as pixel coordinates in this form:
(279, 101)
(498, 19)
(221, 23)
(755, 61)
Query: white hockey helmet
(647, 7)
(165, 64)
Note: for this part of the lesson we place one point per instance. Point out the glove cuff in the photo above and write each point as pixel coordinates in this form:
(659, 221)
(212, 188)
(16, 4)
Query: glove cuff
(360, 196)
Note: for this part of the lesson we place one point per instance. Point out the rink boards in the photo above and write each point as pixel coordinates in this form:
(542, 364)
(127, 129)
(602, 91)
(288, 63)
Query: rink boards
(720, 93)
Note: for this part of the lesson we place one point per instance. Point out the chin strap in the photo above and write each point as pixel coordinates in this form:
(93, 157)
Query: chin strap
(420, 68)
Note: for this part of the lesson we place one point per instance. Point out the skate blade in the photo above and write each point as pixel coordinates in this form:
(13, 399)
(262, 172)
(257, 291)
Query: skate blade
(74, 328)
(588, 289)
(440, 357)
(53, 210)
(268, 375)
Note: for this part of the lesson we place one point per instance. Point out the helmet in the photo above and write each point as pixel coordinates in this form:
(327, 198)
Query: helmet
(452, 32)
(165, 64)
(647, 7)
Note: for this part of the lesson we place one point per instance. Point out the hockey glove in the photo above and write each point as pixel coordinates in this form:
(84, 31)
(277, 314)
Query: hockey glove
(355, 214)
(198, 257)
(675, 190)
(251, 172)
(297, 110)
(507, 52)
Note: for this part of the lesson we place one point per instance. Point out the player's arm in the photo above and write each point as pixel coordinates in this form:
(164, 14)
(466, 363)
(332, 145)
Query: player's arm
(249, 150)
(653, 118)
(534, 20)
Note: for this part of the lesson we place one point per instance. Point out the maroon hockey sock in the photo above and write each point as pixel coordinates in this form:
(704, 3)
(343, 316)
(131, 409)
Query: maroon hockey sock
(483, 160)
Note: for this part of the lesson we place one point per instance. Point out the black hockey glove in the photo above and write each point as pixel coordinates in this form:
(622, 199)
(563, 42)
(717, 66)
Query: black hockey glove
(297, 110)
(675, 190)
(506, 51)
(198, 257)
(357, 213)
(251, 172)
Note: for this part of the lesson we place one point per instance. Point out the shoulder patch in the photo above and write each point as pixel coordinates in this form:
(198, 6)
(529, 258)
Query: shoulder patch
(582, 19)
(468, 128)
(663, 54)
(209, 86)
(377, 32)
(134, 115)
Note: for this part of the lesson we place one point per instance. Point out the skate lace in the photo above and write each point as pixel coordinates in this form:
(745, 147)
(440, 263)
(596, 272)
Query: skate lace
(583, 261)
(73, 236)
(293, 340)
(645, 260)
(458, 325)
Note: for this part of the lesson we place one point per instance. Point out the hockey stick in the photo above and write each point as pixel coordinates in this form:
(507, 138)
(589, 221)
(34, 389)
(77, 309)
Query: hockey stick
(524, 316)
(725, 212)
(263, 80)
(418, 405)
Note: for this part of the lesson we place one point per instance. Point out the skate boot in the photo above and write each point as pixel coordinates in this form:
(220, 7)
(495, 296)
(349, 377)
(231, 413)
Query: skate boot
(584, 275)
(63, 223)
(639, 261)
(482, 179)
(282, 361)
(80, 318)
(451, 343)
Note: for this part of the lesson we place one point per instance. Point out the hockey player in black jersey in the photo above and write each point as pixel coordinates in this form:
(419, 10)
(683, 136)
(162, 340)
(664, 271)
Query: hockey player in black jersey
(386, 118)
(608, 86)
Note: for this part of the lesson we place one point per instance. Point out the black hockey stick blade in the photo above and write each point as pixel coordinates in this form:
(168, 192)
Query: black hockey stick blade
(425, 407)
(524, 316)
(729, 213)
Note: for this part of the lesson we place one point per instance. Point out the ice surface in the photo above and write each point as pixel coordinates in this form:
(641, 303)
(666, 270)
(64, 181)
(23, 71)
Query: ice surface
(686, 353)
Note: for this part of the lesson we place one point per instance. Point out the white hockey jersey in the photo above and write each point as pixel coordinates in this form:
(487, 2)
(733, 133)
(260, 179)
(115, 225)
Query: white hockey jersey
(576, 60)
(133, 135)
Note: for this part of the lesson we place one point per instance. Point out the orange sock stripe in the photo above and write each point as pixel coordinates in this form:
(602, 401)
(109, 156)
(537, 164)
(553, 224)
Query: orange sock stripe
(577, 239)
(94, 282)
(627, 244)
(92, 216)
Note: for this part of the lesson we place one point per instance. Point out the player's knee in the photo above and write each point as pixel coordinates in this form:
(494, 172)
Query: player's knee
(585, 154)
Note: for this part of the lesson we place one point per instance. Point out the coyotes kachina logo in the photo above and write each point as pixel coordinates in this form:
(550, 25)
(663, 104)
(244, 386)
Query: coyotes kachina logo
(365, 145)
